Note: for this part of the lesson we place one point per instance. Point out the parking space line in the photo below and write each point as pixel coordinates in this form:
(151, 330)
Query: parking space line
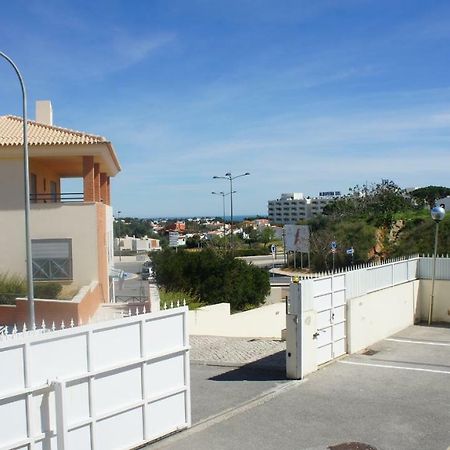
(408, 341)
(385, 366)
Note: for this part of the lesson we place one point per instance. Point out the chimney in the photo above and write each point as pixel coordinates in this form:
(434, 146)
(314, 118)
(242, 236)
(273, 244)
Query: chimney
(44, 112)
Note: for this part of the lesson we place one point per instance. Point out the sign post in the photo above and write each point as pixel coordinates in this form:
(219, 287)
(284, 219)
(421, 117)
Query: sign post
(273, 249)
(351, 251)
(173, 239)
(333, 246)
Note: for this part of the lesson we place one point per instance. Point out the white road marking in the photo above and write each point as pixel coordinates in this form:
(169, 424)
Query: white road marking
(385, 366)
(407, 341)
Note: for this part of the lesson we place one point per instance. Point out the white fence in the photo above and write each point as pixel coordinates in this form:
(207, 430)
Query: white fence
(351, 309)
(374, 277)
(425, 269)
(109, 385)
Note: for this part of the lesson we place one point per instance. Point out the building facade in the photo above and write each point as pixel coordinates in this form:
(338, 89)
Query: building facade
(72, 233)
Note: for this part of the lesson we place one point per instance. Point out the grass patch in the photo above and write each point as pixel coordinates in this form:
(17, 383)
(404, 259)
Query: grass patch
(168, 297)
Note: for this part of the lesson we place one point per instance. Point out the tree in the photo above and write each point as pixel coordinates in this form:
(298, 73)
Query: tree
(212, 277)
(430, 194)
(378, 202)
(267, 235)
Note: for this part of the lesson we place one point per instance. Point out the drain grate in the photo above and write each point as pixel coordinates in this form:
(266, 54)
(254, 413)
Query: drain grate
(352, 446)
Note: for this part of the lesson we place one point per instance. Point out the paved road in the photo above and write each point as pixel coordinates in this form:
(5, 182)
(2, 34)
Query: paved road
(396, 397)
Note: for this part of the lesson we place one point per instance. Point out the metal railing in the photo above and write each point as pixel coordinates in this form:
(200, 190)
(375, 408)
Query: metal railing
(60, 197)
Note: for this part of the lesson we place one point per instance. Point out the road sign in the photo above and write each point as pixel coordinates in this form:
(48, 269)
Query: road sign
(273, 249)
(296, 238)
(173, 238)
(333, 245)
(350, 251)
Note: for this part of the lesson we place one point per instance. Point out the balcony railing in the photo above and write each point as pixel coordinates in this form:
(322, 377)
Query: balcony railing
(62, 197)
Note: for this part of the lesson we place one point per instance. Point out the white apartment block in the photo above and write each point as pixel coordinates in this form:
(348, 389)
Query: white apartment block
(294, 206)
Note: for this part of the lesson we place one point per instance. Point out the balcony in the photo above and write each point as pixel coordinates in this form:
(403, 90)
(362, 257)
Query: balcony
(57, 197)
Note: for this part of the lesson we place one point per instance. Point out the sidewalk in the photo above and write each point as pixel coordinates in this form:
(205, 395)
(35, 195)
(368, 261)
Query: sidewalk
(237, 352)
(394, 397)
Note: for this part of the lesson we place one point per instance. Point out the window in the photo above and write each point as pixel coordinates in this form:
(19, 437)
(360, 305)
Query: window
(52, 259)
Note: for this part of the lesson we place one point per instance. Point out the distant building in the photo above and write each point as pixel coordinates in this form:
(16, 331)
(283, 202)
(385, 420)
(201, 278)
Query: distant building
(134, 244)
(179, 226)
(294, 206)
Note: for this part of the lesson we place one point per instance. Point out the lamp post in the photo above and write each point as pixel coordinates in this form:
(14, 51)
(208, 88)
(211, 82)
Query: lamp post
(30, 288)
(118, 233)
(437, 214)
(230, 178)
(223, 205)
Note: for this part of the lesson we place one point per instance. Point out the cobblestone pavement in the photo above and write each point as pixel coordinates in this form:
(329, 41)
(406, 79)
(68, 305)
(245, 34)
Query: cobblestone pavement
(237, 351)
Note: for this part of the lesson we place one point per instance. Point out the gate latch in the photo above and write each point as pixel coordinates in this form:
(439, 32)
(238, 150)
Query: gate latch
(315, 335)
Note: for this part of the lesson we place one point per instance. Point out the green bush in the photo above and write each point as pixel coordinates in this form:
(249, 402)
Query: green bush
(258, 251)
(212, 277)
(49, 290)
(13, 286)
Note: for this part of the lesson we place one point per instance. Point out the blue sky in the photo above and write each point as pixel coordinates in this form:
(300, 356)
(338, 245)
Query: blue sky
(307, 96)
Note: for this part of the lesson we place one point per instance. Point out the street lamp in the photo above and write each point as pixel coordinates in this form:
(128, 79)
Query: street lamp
(437, 214)
(30, 288)
(118, 234)
(230, 178)
(223, 204)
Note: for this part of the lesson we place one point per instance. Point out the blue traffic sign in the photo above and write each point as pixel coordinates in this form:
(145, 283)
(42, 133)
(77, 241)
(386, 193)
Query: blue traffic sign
(333, 245)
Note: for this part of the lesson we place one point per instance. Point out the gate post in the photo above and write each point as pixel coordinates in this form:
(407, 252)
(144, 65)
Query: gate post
(61, 419)
(294, 341)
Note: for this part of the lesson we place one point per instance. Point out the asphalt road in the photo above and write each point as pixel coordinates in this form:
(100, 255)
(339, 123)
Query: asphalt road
(394, 398)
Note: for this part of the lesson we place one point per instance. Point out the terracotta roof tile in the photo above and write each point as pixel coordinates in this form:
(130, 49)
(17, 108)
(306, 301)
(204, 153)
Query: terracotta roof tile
(40, 134)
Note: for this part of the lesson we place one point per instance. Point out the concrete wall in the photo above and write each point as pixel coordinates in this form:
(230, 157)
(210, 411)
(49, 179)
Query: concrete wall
(80, 309)
(216, 320)
(375, 316)
(441, 304)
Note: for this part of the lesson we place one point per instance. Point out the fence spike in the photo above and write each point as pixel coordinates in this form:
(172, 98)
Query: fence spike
(24, 329)
(62, 325)
(144, 310)
(178, 303)
(72, 324)
(165, 305)
(43, 327)
(14, 330)
(171, 305)
(184, 302)
(53, 326)
(137, 311)
(34, 326)
(129, 312)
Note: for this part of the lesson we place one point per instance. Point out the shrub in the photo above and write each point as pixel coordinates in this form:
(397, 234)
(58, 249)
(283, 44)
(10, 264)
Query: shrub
(211, 277)
(13, 286)
(49, 290)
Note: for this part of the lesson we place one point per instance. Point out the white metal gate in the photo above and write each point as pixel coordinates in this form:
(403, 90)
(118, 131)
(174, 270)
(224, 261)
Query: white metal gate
(103, 386)
(329, 303)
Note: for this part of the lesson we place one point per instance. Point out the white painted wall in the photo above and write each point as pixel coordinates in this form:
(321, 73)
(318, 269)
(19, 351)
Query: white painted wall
(375, 316)
(75, 221)
(52, 221)
(216, 320)
(441, 304)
